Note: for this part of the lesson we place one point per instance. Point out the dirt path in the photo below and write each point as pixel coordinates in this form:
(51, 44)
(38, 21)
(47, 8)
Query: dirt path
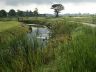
(88, 24)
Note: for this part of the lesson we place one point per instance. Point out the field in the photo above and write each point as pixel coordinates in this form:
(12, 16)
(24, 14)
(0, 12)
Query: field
(85, 19)
(71, 48)
(4, 25)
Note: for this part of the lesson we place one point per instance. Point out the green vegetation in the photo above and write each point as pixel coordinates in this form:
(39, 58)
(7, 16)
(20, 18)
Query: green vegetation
(70, 49)
(5, 25)
(19, 13)
(3, 13)
(86, 19)
(78, 55)
(57, 8)
(12, 13)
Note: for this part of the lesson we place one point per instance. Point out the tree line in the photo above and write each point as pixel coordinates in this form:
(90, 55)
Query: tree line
(19, 13)
(12, 13)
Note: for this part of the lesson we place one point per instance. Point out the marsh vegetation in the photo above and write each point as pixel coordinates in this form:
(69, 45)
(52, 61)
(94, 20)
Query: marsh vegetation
(71, 47)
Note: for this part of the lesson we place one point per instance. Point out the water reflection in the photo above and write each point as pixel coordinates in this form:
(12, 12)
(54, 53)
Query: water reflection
(41, 33)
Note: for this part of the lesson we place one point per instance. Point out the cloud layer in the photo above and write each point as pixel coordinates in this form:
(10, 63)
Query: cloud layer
(16, 2)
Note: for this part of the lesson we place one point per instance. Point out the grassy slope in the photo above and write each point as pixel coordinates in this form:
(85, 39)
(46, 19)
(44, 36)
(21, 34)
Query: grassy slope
(7, 25)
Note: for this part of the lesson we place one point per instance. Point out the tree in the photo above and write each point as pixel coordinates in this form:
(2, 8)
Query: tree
(12, 13)
(3, 13)
(27, 13)
(20, 13)
(30, 13)
(35, 12)
(57, 8)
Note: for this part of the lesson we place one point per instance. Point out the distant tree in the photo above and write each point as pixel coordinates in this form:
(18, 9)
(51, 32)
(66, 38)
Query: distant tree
(3, 13)
(35, 12)
(25, 13)
(30, 13)
(12, 13)
(57, 8)
(20, 13)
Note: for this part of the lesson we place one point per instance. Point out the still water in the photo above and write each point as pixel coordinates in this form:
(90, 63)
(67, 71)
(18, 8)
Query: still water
(39, 33)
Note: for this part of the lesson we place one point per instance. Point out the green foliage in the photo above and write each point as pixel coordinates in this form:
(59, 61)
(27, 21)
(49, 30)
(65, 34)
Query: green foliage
(74, 53)
(12, 13)
(18, 53)
(20, 13)
(5, 25)
(35, 12)
(93, 19)
(57, 8)
(3, 13)
(79, 54)
(71, 48)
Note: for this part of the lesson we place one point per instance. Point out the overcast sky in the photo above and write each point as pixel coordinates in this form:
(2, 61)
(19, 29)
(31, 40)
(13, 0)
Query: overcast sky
(71, 6)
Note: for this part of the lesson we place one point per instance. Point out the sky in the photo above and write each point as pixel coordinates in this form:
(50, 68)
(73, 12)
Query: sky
(44, 6)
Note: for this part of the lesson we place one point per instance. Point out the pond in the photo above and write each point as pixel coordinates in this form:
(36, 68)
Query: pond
(40, 33)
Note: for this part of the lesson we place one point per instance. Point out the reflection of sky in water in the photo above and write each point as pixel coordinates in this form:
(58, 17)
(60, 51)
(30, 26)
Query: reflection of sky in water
(40, 33)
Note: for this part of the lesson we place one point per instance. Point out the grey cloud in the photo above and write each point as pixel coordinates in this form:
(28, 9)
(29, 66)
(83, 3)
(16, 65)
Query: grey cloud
(16, 2)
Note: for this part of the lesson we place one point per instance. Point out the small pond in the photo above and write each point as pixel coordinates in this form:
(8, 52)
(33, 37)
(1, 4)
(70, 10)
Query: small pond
(40, 33)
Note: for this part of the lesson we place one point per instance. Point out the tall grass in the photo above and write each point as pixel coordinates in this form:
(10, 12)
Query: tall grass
(71, 49)
(79, 54)
(18, 53)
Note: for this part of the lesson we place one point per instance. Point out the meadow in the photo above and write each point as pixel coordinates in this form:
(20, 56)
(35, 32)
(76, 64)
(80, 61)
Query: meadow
(71, 47)
(91, 19)
(4, 25)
